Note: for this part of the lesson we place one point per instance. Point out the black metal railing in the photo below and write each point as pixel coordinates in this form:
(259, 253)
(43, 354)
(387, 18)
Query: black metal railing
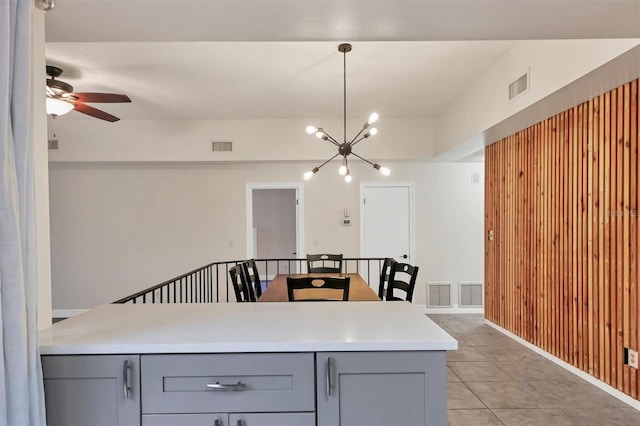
(211, 283)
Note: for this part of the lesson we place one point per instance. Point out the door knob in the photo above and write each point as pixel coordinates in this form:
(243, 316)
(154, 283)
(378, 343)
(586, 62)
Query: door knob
(404, 256)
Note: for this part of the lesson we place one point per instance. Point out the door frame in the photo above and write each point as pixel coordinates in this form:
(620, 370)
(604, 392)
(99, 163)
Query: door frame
(299, 188)
(410, 186)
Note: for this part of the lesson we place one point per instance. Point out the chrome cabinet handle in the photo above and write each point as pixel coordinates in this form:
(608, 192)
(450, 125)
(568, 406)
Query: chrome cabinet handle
(240, 422)
(227, 386)
(126, 378)
(329, 376)
(217, 422)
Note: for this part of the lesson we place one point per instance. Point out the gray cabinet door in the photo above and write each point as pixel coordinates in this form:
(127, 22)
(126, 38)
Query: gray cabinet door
(272, 419)
(213, 419)
(381, 388)
(92, 389)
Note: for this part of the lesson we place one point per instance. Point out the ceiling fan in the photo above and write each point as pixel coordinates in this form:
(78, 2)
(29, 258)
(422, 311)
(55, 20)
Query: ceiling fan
(61, 99)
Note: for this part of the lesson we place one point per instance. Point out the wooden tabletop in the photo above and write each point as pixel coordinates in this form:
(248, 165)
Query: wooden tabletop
(359, 290)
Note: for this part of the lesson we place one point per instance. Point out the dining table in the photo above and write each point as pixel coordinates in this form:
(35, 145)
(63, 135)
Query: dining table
(359, 290)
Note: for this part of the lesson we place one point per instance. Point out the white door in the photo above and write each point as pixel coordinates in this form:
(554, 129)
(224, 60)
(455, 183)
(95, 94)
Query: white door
(386, 224)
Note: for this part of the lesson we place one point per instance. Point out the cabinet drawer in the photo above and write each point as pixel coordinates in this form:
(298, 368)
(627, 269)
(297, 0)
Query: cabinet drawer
(252, 419)
(227, 383)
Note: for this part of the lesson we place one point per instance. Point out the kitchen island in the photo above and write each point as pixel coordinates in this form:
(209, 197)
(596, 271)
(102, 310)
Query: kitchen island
(325, 363)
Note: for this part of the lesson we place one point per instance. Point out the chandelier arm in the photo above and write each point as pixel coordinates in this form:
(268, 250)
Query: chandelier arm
(320, 166)
(356, 136)
(362, 158)
(362, 138)
(331, 139)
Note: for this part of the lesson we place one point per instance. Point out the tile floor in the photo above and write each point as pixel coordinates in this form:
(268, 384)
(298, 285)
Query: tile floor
(493, 380)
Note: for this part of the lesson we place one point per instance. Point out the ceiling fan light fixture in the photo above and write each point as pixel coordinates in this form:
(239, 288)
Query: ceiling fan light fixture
(345, 148)
(56, 107)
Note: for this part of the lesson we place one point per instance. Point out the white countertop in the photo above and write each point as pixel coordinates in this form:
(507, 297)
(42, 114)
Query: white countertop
(246, 327)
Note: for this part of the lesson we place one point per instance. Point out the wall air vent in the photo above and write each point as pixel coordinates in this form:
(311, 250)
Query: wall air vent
(221, 146)
(439, 295)
(471, 295)
(520, 86)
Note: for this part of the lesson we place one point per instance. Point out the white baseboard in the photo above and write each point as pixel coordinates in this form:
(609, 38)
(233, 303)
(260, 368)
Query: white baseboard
(66, 313)
(453, 310)
(585, 376)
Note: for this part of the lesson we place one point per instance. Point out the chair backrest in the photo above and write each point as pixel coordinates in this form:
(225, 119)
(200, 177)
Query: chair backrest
(402, 278)
(241, 283)
(254, 277)
(318, 288)
(384, 277)
(317, 263)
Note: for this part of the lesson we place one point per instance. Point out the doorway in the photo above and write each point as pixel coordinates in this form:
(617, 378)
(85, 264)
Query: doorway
(274, 223)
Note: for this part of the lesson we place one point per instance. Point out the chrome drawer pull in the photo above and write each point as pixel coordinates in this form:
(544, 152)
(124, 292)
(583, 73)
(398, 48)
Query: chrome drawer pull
(227, 386)
(126, 386)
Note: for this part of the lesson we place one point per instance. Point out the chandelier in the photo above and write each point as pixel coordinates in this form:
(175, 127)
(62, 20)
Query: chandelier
(346, 147)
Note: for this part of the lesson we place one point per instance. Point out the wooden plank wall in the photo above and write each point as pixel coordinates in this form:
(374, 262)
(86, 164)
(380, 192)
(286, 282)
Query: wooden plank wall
(561, 202)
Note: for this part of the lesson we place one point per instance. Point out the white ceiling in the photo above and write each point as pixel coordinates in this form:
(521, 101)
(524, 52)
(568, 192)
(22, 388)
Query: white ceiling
(224, 59)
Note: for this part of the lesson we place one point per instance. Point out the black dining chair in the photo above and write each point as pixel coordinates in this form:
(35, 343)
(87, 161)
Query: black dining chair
(334, 288)
(384, 277)
(318, 263)
(402, 278)
(254, 277)
(241, 283)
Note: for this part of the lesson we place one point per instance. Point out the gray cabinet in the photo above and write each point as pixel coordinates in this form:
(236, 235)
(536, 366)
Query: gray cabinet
(381, 388)
(92, 389)
(241, 389)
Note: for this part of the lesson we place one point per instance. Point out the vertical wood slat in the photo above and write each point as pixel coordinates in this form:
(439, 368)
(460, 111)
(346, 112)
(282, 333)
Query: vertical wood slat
(561, 201)
(633, 232)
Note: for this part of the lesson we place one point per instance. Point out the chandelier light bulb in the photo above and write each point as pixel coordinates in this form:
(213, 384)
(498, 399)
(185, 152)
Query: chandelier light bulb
(319, 134)
(311, 130)
(381, 169)
(373, 118)
(347, 178)
(342, 170)
(373, 131)
(307, 175)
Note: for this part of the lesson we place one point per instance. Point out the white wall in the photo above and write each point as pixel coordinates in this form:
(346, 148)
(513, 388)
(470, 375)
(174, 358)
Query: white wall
(120, 228)
(41, 175)
(453, 224)
(553, 64)
(88, 139)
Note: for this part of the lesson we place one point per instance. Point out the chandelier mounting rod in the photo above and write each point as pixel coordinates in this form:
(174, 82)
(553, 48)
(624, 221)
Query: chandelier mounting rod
(344, 48)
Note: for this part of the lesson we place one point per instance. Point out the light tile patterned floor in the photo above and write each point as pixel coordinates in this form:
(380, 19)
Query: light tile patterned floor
(493, 380)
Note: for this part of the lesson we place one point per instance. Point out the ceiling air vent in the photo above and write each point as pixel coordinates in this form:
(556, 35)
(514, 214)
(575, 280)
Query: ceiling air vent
(471, 295)
(520, 86)
(439, 295)
(221, 146)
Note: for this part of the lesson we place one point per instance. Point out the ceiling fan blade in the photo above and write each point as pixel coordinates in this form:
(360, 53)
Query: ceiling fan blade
(95, 112)
(101, 97)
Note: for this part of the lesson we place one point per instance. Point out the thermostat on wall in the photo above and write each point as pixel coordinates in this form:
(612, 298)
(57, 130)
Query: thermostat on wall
(346, 222)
